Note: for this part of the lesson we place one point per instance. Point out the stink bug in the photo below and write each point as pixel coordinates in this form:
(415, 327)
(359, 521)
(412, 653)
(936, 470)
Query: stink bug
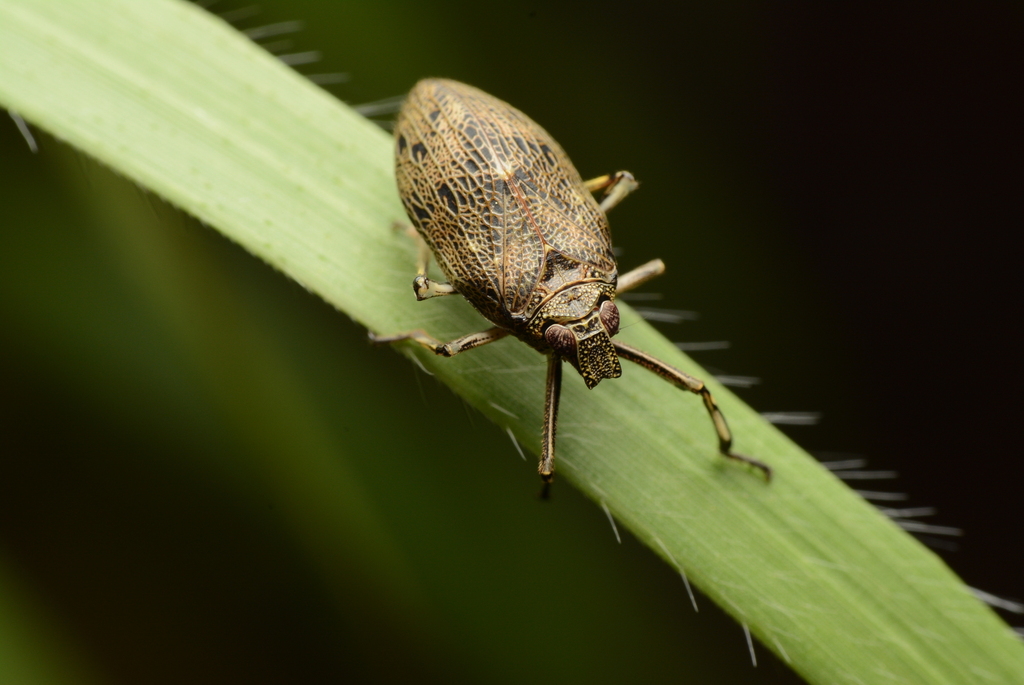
(518, 233)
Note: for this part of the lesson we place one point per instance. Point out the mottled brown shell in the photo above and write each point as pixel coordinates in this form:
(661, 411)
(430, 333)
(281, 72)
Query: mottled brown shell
(497, 200)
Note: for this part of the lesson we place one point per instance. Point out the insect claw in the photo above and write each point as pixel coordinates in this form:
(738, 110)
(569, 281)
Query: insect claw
(426, 288)
(421, 287)
(760, 465)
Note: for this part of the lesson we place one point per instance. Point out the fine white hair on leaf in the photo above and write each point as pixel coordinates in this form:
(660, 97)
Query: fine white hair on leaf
(908, 512)
(502, 409)
(270, 30)
(296, 58)
(750, 644)
(882, 496)
(277, 46)
(611, 520)
(512, 437)
(847, 470)
(666, 315)
(782, 651)
(240, 14)
(998, 602)
(840, 464)
(689, 590)
(866, 475)
(682, 573)
(378, 107)
(24, 130)
(734, 381)
(792, 418)
(420, 364)
(927, 528)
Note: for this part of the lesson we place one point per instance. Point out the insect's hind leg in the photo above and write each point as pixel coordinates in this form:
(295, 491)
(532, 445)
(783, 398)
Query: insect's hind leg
(444, 349)
(694, 385)
(424, 287)
(616, 187)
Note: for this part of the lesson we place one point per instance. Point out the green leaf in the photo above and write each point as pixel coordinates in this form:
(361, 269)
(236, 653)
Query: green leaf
(176, 100)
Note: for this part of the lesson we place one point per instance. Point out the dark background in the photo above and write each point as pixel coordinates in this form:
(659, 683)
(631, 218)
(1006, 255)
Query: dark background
(833, 190)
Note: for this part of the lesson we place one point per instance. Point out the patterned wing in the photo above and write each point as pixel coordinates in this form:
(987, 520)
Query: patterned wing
(489, 189)
(548, 186)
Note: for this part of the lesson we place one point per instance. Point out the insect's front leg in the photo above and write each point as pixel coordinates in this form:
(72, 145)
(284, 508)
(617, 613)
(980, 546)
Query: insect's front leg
(694, 385)
(445, 349)
(639, 275)
(616, 187)
(552, 391)
(424, 287)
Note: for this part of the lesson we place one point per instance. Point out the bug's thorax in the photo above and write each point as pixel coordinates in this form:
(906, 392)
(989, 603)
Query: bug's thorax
(578, 323)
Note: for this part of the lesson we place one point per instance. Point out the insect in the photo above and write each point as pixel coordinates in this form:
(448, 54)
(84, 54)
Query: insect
(518, 233)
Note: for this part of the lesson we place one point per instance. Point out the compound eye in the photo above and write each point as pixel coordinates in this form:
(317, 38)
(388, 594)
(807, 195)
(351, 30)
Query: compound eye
(609, 314)
(562, 341)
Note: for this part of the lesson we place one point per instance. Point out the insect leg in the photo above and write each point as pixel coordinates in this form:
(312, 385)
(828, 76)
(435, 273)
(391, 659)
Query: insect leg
(617, 186)
(694, 385)
(552, 390)
(424, 287)
(448, 349)
(640, 275)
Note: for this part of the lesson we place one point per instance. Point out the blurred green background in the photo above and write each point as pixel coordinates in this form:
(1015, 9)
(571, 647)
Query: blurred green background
(207, 475)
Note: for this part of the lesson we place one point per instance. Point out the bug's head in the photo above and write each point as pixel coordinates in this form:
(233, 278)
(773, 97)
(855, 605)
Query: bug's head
(586, 341)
